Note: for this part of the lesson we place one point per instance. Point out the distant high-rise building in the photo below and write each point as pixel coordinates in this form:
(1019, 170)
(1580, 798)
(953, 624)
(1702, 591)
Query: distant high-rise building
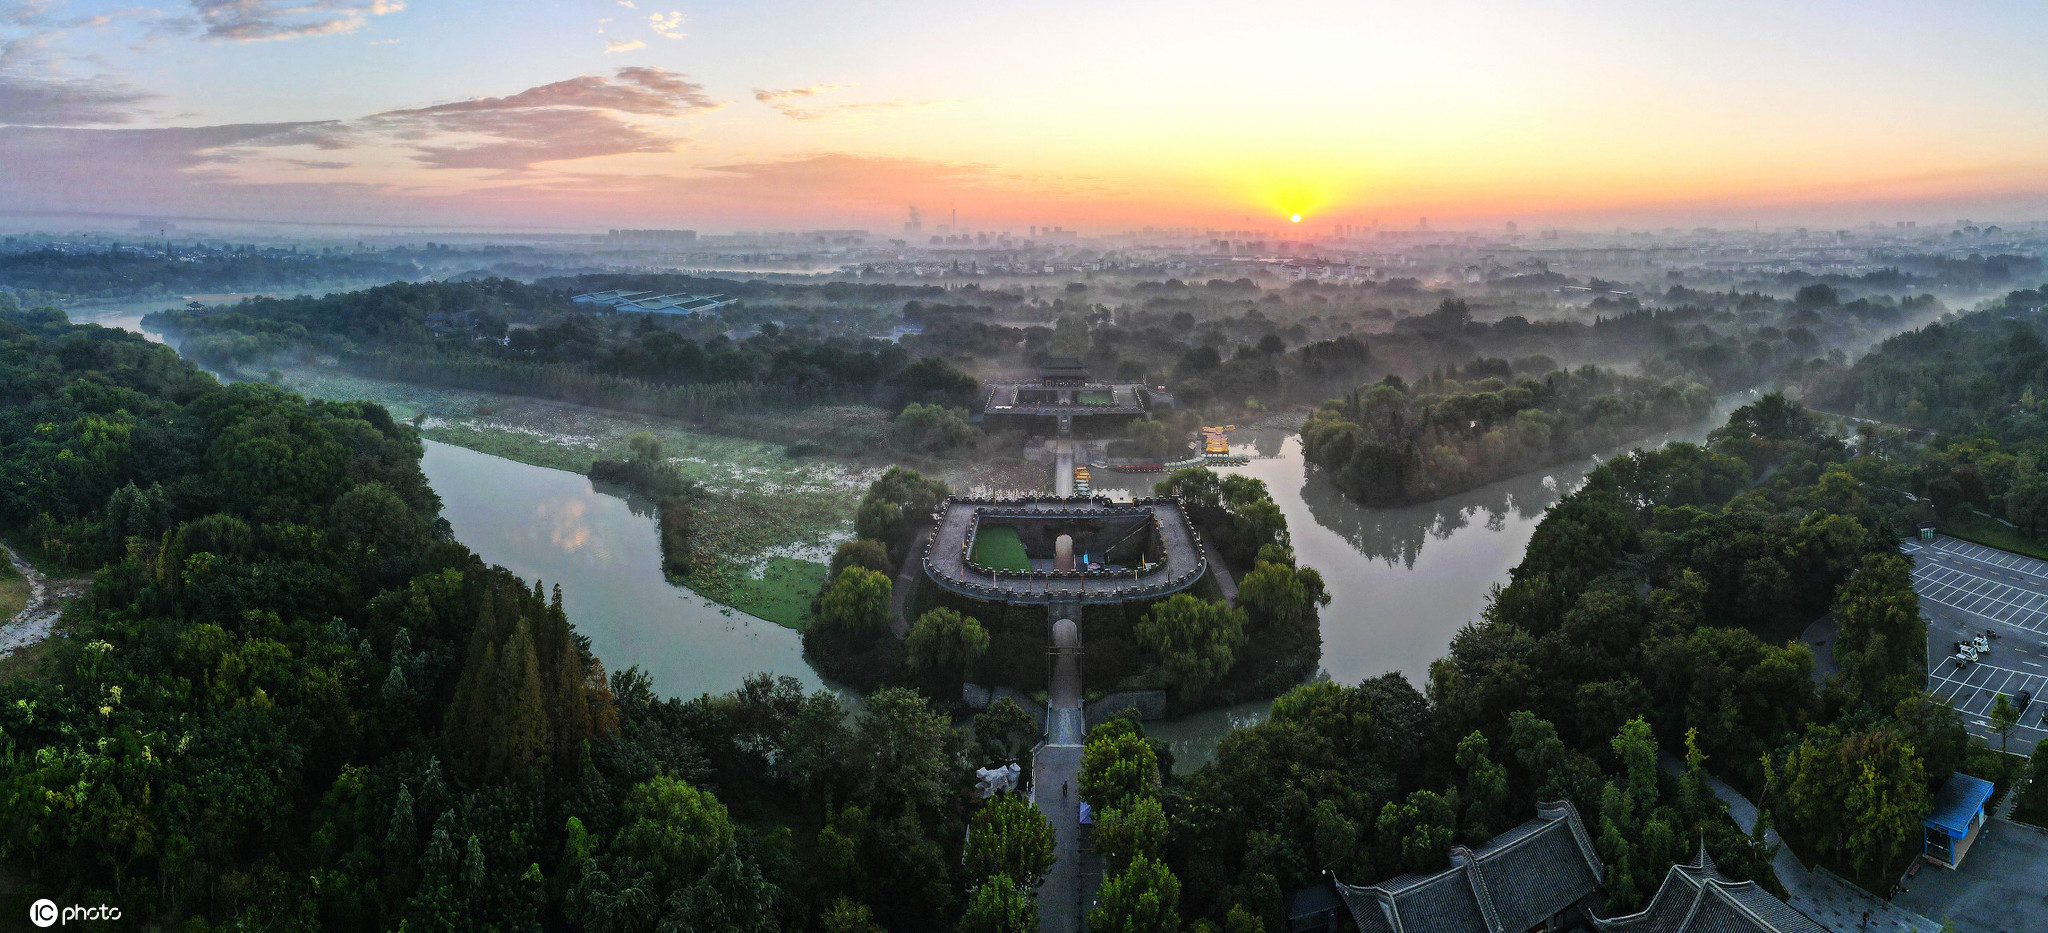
(650, 237)
(1511, 227)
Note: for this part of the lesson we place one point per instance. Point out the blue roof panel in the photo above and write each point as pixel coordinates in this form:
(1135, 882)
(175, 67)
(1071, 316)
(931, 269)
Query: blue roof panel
(1957, 803)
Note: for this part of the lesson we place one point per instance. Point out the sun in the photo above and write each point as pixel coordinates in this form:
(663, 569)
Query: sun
(1296, 218)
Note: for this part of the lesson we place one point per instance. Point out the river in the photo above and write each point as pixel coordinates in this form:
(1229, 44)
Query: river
(605, 552)
(1402, 581)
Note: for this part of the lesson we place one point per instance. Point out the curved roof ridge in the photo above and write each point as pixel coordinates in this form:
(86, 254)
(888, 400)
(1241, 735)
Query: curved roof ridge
(1727, 890)
(1579, 835)
(1464, 860)
(1648, 906)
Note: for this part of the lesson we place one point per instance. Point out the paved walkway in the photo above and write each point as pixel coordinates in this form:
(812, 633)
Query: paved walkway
(1224, 581)
(1063, 468)
(906, 581)
(1817, 893)
(1069, 887)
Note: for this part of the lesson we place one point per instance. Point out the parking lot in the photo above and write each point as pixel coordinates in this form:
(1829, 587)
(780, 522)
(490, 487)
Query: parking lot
(1968, 589)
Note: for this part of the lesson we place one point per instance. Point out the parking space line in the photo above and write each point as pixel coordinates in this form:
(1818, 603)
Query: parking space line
(1977, 584)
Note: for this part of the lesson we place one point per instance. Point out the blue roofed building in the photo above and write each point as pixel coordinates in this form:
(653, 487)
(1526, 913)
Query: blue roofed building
(1951, 827)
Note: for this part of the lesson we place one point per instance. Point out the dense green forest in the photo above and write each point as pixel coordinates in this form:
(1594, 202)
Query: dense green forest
(290, 702)
(1652, 610)
(1201, 650)
(1233, 345)
(499, 335)
(1392, 443)
(133, 274)
(1976, 381)
(1223, 345)
(1962, 375)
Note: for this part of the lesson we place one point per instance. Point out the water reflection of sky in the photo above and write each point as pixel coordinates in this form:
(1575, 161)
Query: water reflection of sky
(1402, 580)
(605, 553)
(565, 520)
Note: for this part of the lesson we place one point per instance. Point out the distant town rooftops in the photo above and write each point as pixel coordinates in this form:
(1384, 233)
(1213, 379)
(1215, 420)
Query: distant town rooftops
(1519, 880)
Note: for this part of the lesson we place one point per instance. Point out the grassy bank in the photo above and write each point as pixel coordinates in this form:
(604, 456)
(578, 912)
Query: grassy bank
(781, 593)
(1990, 532)
(765, 521)
(13, 591)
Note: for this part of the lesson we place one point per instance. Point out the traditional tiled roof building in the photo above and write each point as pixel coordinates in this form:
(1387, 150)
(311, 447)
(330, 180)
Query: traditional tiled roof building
(1531, 877)
(1697, 898)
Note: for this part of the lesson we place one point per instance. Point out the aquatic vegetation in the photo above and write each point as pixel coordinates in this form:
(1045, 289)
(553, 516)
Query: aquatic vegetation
(763, 521)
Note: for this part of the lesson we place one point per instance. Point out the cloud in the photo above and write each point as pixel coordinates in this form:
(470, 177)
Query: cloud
(523, 138)
(265, 20)
(794, 103)
(578, 118)
(69, 102)
(628, 4)
(623, 45)
(35, 14)
(570, 119)
(773, 97)
(77, 167)
(670, 26)
(35, 90)
(643, 89)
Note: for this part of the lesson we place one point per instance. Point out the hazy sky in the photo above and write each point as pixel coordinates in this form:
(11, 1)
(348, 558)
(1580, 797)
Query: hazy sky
(1098, 115)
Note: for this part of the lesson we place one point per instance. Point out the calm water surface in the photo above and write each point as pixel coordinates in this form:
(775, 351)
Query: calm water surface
(553, 526)
(1402, 581)
(124, 317)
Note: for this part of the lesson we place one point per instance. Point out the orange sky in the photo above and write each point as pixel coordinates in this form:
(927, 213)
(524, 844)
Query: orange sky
(1099, 116)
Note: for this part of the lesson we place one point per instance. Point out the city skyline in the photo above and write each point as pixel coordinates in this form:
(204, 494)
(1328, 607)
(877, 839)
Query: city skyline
(784, 114)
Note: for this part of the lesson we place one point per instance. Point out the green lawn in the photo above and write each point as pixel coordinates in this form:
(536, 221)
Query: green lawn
(1096, 398)
(781, 594)
(999, 547)
(13, 591)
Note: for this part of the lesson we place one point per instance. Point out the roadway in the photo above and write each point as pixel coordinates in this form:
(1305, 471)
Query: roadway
(1967, 589)
(1069, 887)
